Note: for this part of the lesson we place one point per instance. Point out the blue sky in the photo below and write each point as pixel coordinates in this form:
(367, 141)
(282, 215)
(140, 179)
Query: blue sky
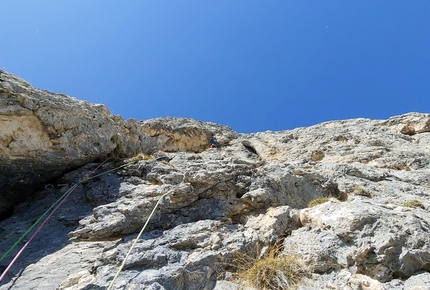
(251, 65)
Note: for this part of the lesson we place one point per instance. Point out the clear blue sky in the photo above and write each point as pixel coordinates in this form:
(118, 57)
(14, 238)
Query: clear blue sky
(251, 65)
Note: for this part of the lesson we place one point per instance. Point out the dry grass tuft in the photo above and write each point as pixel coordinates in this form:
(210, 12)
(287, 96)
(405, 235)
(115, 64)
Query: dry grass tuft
(272, 271)
(414, 203)
(318, 201)
(141, 156)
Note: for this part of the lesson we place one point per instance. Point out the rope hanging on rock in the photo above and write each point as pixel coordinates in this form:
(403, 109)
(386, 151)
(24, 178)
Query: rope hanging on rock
(135, 241)
(56, 204)
(34, 224)
(35, 233)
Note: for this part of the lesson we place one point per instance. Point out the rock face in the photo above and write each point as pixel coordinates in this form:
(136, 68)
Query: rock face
(215, 204)
(180, 134)
(42, 135)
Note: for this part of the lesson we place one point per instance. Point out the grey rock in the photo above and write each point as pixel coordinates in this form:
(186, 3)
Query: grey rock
(368, 238)
(219, 203)
(42, 135)
(183, 134)
(418, 281)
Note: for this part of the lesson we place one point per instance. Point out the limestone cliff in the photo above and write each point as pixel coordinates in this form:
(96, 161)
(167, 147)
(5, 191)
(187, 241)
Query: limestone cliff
(372, 231)
(43, 135)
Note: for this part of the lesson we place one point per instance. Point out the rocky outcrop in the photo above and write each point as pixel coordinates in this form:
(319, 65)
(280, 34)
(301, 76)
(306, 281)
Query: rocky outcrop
(42, 135)
(381, 241)
(368, 229)
(181, 134)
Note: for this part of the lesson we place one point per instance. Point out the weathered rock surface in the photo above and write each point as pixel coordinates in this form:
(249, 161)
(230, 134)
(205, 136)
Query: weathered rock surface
(42, 135)
(252, 191)
(181, 134)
